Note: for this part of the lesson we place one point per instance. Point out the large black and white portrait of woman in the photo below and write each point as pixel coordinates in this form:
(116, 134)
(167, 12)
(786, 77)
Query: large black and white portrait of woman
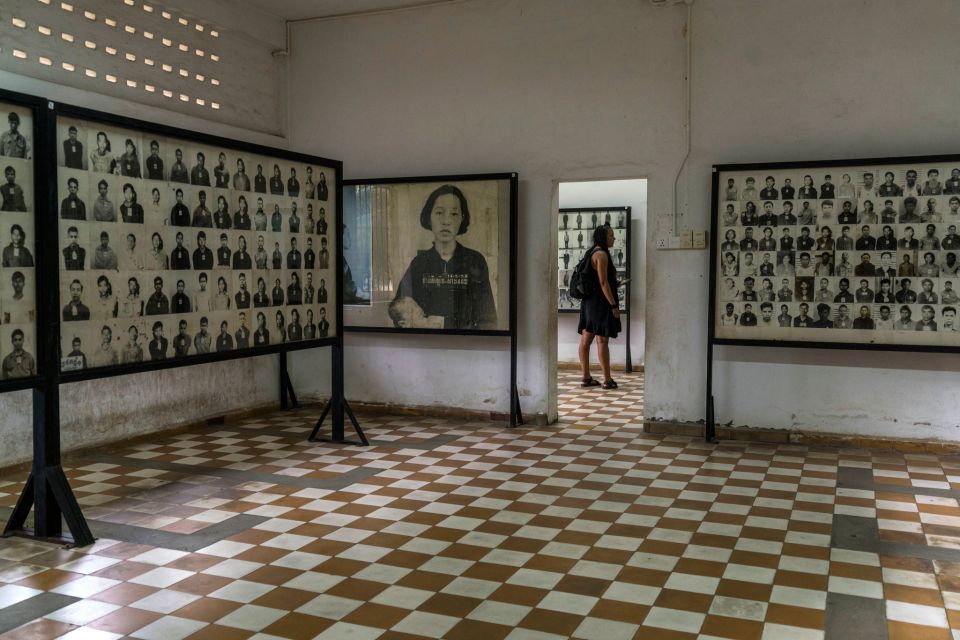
(448, 284)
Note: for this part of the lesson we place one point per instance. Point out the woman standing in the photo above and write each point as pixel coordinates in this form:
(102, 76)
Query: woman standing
(600, 311)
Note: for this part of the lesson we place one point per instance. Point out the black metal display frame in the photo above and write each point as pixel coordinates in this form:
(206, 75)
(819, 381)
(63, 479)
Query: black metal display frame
(516, 416)
(710, 423)
(626, 303)
(47, 491)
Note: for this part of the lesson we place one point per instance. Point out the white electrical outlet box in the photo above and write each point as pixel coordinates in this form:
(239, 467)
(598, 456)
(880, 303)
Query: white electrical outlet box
(700, 239)
(662, 242)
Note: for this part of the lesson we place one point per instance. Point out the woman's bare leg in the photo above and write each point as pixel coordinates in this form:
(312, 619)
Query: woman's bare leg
(586, 339)
(603, 355)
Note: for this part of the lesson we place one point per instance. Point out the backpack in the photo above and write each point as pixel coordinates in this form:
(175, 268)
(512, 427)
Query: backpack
(583, 282)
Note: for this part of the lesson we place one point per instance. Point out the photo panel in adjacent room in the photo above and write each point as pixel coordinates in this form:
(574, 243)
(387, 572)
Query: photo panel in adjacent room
(574, 242)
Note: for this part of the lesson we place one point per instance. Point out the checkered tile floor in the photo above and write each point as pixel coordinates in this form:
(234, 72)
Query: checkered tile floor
(587, 529)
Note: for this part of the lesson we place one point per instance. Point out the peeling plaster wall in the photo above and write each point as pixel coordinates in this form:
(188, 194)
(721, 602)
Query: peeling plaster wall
(611, 193)
(553, 89)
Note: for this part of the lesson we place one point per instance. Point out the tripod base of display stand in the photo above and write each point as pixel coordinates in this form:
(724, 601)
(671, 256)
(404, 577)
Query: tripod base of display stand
(288, 398)
(516, 416)
(59, 499)
(346, 410)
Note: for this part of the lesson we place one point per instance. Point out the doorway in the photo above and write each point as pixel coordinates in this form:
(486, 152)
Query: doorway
(605, 197)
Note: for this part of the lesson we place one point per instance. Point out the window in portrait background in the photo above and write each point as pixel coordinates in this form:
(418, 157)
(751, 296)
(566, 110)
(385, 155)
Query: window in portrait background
(18, 310)
(165, 244)
(864, 254)
(441, 255)
(358, 204)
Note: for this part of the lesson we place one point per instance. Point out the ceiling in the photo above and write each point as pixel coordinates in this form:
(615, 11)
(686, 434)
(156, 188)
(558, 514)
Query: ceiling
(301, 9)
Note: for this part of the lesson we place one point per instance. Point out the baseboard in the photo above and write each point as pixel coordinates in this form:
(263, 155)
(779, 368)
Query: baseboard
(792, 436)
(381, 408)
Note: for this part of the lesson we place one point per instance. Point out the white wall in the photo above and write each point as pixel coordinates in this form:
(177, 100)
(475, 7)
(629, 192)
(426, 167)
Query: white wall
(556, 90)
(612, 193)
(814, 79)
(561, 90)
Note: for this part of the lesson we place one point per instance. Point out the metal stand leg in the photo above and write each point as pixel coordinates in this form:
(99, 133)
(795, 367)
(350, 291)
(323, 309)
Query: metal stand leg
(344, 408)
(515, 413)
(47, 490)
(288, 398)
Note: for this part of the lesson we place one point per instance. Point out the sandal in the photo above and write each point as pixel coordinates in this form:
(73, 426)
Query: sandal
(610, 384)
(590, 382)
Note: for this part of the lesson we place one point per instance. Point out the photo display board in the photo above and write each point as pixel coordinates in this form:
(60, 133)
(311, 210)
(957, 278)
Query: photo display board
(18, 272)
(429, 255)
(575, 240)
(860, 253)
(178, 245)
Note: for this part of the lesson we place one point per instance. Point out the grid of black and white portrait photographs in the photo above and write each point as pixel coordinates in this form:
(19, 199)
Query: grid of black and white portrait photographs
(170, 248)
(429, 255)
(863, 253)
(18, 299)
(575, 241)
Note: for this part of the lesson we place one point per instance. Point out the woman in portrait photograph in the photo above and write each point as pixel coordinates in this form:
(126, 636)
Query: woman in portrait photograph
(808, 190)
(221, 301)
(130, 209)
(449, 280)
(105, 355)
(101, 158)
(730, 241)
(276, 182)
(130, 161)
(157, 259)
(105, 305)
(241, 181)
(222, 218)
(281, 327)
(262, 335)
(730, 267)
(600, 311)
(131, 305)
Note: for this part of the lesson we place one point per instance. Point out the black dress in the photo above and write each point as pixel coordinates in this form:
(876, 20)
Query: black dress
(596, 314)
